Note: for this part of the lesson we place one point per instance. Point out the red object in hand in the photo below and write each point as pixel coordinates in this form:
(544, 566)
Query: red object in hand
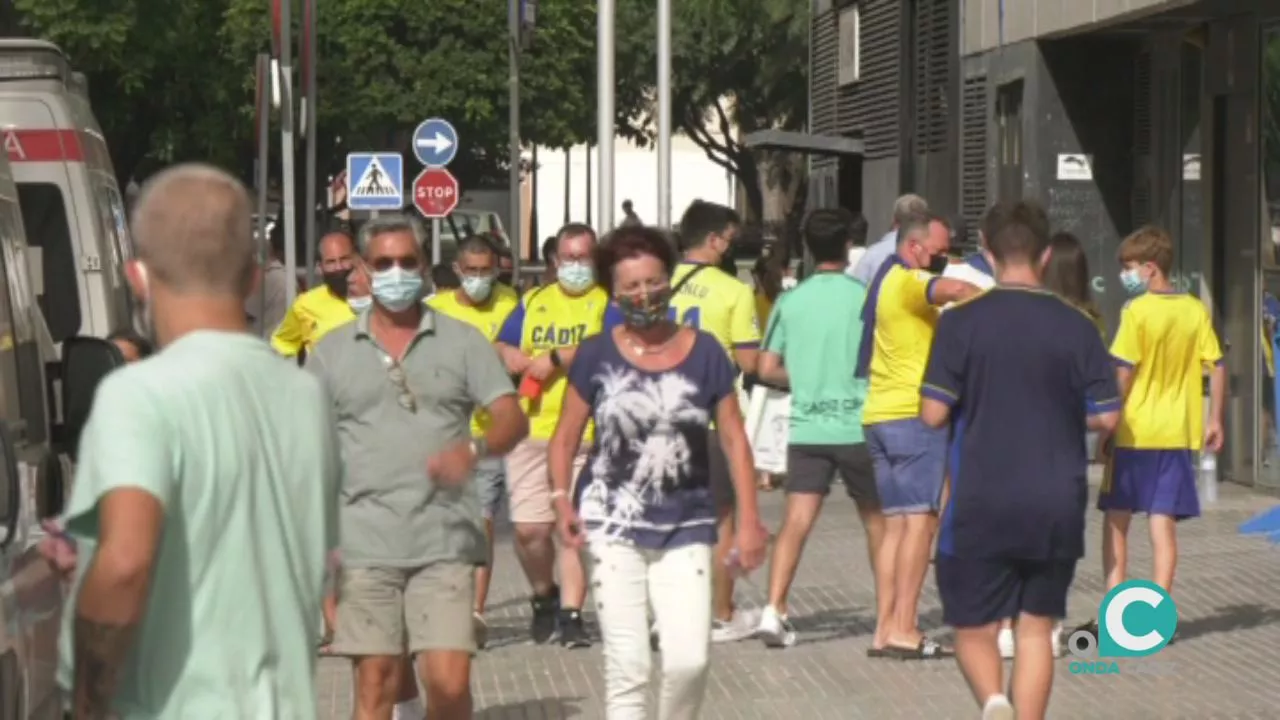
(530, 387)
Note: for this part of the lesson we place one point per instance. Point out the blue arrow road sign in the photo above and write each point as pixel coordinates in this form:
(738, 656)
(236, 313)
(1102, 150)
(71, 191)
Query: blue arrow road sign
(435, 142)
(375, 181)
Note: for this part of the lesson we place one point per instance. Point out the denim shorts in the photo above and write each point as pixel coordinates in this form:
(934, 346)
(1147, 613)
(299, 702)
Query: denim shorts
(910, 462)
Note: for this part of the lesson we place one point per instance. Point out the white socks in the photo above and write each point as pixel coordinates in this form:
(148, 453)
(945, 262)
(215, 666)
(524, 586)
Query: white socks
(409, 710)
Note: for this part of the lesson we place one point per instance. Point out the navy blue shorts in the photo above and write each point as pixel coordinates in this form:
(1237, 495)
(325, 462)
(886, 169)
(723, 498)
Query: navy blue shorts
(981, 591)
(1156, 482)
(910, 461)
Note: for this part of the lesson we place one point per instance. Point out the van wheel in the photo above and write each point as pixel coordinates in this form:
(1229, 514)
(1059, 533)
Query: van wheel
(12, 700)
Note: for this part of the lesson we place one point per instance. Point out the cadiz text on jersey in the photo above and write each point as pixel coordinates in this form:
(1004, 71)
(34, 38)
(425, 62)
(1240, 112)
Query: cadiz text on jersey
(548, 336)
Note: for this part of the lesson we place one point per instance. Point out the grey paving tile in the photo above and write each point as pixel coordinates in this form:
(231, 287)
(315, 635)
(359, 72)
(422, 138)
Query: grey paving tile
(1224, 665)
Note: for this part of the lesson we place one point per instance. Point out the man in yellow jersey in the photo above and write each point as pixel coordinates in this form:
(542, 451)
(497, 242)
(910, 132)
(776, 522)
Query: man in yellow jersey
(909, 457)
(538, 341)
(708, 298)
(483, 304)
(320, 309)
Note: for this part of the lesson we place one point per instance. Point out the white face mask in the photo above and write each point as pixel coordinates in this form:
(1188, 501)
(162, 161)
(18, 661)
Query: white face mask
(789, 282)
(360, 304)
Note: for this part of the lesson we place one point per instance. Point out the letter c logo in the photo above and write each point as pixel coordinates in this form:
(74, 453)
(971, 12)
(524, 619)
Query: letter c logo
(1149, 609)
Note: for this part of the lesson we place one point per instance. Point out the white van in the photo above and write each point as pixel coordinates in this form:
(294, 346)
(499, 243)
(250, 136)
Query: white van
(72, 207)
(31, 483)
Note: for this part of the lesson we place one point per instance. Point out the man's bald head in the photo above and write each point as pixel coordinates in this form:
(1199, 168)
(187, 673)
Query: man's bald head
(337, 252)
(193, 227)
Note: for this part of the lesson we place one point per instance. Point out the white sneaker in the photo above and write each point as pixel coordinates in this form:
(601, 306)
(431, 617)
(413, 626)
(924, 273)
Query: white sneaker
(997, 708)
(775, 629)
(1056, 639)
(742, 626)
(1005, 641)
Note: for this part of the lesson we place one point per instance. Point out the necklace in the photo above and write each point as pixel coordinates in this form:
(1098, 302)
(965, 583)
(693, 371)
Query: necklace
(639, 348)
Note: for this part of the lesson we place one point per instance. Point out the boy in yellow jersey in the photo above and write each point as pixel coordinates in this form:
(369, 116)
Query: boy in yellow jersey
(707, 298)
(898, 320)
(483, 304)
(323, 308)
(538, 341)
(1162, 348)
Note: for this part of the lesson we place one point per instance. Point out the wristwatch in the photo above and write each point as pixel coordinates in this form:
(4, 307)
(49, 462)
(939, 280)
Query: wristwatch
(479, 448)
(555, 358)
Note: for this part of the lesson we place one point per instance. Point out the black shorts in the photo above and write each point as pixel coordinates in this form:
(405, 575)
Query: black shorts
(812, 468)
(981, 591)
(721, 479)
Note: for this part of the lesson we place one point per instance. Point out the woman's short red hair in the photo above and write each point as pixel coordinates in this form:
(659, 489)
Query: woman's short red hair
(626, 243)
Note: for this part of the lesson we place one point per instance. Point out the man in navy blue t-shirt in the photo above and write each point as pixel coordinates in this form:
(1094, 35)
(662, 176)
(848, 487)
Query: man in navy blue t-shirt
(1020, 374)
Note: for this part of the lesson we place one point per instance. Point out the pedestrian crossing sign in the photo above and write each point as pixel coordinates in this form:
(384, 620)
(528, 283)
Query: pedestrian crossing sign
(375, 181)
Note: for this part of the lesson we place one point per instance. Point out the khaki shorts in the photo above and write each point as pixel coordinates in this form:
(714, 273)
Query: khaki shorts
(388, 611)
(529, 485)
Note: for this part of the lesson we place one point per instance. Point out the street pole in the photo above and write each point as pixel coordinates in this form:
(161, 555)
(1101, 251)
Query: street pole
(664, 114)
(309, 61)
(263, 173)
(287, 182)
(568, 165)
(605, 111)
(436, 242)
(513, 121)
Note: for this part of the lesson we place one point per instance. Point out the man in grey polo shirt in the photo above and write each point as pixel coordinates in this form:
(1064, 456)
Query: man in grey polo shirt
(903, 209)
(405, 381)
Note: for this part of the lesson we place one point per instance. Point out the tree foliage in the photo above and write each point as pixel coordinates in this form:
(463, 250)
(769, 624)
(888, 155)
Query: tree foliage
(173, 79)
(739, 67)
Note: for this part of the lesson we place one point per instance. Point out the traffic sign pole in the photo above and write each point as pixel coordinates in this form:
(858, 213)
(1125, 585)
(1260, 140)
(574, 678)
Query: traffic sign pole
(435, 241)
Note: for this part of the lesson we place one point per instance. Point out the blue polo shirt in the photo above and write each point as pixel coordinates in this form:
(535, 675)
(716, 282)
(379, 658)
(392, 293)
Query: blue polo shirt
(1021, 370)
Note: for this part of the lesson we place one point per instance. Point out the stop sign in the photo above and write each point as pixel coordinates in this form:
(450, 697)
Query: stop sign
(435, 192)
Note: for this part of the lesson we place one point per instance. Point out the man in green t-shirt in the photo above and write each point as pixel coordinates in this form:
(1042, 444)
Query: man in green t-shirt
(205, 497)
(811, 345)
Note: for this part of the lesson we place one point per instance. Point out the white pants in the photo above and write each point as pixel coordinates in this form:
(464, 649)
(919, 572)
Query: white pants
(677, 583)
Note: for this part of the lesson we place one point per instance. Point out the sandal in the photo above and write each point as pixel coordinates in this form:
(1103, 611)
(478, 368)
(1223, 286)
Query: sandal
(926, 649)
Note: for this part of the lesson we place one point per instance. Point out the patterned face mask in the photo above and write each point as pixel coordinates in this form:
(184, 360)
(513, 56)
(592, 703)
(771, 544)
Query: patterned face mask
(647, 310)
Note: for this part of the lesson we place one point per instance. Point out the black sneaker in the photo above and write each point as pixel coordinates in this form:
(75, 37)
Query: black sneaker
(573, 634)
(545, 610)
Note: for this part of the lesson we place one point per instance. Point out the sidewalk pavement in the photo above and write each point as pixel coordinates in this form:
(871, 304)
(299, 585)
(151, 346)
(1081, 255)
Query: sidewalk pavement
(1224, 664)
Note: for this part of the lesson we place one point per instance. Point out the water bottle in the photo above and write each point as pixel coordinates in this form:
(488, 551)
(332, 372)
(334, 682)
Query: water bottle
(1208, 478)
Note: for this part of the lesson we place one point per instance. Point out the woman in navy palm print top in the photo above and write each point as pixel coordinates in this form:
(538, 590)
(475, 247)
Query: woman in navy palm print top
(643, 504)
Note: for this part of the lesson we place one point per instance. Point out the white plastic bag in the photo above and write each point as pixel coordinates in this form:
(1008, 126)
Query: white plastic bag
(768, 415)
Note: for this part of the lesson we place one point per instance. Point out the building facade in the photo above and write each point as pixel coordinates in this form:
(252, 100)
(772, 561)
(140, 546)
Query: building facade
(1110, 113)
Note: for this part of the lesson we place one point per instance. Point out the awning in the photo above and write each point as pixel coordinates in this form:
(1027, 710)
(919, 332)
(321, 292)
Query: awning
(806, 143)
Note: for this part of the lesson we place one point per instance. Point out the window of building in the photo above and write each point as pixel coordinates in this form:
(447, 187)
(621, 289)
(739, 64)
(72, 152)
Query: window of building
(1009, 141)
(850, 69)
(44, 213)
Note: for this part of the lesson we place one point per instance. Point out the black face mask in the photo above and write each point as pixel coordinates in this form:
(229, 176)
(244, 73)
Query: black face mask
(938, 264)
(504, 278)
(337, 282)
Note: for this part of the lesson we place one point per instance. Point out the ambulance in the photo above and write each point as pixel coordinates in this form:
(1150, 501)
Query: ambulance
(72, 208)
(31, 481)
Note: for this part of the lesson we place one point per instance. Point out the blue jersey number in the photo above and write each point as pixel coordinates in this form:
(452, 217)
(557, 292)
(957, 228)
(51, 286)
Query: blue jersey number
(692, 317)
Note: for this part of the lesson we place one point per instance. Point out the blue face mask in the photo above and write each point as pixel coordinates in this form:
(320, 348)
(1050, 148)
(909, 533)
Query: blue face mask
(576, 277)
(1133, 282)
(360, 304)
(396, 288)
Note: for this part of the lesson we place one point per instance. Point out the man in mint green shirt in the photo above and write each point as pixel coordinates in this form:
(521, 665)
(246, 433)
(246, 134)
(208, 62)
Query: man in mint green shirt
(205, 497)
(811, 346)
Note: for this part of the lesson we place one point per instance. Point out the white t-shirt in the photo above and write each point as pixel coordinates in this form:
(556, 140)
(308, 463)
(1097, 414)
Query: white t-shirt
(855, 254)
(964, 271)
